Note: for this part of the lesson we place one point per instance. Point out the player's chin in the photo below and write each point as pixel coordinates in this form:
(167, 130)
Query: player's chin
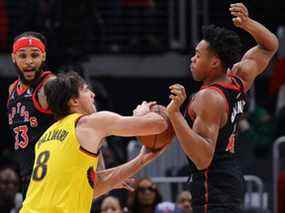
(195, 77)
(29, 74)
(93, 109)
(29, 78)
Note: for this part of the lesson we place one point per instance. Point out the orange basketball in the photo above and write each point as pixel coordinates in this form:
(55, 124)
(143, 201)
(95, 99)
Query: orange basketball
(158, 141)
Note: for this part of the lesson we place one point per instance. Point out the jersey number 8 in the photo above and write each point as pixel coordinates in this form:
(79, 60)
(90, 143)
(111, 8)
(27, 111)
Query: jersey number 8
(40, 169)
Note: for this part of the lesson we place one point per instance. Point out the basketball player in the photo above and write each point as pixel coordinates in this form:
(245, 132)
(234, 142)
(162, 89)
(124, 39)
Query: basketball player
(207, 133)
(28, 113)
(64, 176)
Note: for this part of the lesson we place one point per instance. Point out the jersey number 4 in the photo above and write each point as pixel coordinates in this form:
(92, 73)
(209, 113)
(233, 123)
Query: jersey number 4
(40, 169)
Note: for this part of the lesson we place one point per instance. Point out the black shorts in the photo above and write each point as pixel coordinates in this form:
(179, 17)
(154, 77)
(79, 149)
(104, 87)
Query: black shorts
(217, 192)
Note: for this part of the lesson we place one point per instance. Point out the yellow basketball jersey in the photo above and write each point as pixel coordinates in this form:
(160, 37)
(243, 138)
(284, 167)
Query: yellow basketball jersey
(63, 172)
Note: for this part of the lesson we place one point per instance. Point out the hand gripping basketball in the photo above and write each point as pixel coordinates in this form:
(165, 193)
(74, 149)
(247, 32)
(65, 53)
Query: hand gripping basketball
(156, 142)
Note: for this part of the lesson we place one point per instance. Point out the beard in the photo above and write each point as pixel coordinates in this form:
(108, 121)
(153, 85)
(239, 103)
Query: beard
(38, 71)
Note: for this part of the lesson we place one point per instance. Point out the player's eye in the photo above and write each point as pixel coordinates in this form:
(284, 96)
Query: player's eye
(35, 55)
(22, 55)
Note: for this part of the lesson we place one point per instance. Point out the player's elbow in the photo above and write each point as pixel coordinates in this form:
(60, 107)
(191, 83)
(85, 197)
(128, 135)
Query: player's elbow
(276, 44)
(205, 161)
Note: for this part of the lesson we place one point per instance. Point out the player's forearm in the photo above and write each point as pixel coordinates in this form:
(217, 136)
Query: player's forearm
(148, 124)
(266, 39)
(101, 162)
(199, 150)
(109, 178)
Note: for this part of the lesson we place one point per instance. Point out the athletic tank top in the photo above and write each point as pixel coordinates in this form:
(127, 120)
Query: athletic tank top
(221, 184)
(63, 172)
(27, 121)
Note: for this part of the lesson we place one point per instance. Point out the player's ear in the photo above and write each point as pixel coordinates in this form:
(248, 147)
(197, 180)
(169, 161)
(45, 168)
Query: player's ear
(44, 56)
(13, 58)
(73, 102)
(215, 62)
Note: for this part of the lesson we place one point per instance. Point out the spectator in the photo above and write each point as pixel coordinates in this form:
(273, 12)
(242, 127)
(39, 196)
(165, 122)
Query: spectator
(166, 207)
(111, 205)
(145, 197)
(184, 202)
(9, 186)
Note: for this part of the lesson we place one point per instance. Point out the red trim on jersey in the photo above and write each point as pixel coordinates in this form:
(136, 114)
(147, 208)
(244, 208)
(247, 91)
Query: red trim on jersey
(38, 106)
(233, 76)
(83, 149)
(213, 87)
(91, 154)
(21, 90)
(228, 86)
(206, 192)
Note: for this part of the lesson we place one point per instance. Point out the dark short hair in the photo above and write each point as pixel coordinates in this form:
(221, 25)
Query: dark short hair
(34, 35)
(59, 91)
(223, 42)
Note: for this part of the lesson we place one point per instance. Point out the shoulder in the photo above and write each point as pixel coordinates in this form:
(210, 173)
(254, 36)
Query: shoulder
(40, 91)
(210, 96)
(49, 76)
(209, 101)
(12, 86)
(211, 106)
(97, 123)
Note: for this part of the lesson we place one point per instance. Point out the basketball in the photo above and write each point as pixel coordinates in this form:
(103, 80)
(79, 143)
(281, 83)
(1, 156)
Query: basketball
(156, 142)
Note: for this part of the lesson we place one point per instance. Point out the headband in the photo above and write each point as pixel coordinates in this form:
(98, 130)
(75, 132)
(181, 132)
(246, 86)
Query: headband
(28, 42)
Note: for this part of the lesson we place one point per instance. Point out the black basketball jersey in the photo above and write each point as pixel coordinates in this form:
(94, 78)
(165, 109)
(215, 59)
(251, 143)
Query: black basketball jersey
(27, 121)
(221, 184)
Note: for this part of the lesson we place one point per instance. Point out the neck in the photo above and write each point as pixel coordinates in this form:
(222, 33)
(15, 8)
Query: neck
(221, 77)
(24, 85)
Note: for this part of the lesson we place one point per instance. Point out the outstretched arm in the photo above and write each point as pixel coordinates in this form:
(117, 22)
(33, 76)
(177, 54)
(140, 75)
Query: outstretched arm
(257, 58)
(144, 122)
(91, 129)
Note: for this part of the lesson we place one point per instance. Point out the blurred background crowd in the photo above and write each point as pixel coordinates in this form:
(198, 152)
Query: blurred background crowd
(132, 50)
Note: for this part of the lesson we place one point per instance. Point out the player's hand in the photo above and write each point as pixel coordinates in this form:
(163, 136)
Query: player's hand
(148, 155)
(240, 13)
(177, 96)
(143, 108)
(126, 184)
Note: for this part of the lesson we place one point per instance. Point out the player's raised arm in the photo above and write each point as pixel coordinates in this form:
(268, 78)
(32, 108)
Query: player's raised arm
(257, 58)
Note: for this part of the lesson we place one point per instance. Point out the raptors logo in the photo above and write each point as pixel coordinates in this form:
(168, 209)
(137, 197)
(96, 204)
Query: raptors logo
(91, 175)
